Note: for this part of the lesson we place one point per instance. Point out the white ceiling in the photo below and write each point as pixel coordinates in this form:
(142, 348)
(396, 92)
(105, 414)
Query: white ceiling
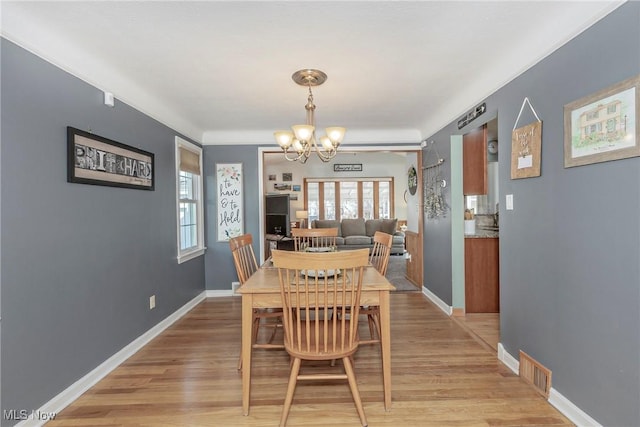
(220, 72)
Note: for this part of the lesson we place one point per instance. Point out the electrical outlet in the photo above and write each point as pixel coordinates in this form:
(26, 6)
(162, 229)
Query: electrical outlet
(152, 302)
(234, 287)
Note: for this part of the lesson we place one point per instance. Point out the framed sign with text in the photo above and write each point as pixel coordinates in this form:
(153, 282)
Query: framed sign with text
(229, 194)
(347, 167)
(92, 159)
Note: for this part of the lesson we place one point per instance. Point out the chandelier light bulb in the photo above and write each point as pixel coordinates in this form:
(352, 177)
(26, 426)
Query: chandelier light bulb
(336, 134)
(297, 146)
(326, 143)
(284, 138)
(303, 132)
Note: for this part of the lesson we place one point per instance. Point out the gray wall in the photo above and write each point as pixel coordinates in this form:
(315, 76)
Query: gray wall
(79, 262)
(220, 272)
(570, 249)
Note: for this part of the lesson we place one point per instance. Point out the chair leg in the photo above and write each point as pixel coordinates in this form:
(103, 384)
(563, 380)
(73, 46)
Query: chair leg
(256, 329)
(371, 326)
(375, 320)
(354, 389)
(293, 379)
(240, 359)
(254, 336)
(275, 329)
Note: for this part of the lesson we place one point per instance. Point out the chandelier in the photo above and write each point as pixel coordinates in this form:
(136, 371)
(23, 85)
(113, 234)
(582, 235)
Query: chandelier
(297, 145)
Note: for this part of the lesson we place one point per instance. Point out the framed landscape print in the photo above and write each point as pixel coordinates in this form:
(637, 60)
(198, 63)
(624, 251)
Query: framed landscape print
(92, 159)
(603, 126)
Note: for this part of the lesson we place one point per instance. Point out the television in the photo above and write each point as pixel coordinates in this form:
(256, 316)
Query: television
(277, 214)
(277, 204)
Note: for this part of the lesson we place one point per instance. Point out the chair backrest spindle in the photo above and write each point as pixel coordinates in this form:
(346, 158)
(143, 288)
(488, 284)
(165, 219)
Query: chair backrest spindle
(305, 238)
(381, 251)
(314, 288)
(244, 258)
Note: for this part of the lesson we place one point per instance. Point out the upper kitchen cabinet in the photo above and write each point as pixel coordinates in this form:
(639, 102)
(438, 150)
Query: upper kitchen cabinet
(474, 161)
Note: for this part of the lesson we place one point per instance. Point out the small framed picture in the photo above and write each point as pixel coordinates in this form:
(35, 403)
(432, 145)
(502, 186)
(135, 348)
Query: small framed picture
(296, 188)
(282, 187)
(287, 176)
(272, 177)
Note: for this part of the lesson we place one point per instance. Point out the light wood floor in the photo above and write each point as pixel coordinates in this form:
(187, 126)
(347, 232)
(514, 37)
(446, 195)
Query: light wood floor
(187, 376)
(485, 325)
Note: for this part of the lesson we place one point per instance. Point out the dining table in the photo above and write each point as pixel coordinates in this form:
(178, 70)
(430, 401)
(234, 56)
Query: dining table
(262, 290)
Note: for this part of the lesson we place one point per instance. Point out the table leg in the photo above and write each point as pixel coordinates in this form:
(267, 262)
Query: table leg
(247, 324)
(385, 343)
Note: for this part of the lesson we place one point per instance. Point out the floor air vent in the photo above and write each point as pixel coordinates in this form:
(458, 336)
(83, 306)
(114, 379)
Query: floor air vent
(534, 373)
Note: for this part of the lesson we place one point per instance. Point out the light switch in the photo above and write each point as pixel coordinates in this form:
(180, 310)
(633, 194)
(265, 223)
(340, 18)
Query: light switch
(509, 202)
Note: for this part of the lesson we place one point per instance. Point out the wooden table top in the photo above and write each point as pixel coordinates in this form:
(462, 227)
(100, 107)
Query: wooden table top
(265, 280)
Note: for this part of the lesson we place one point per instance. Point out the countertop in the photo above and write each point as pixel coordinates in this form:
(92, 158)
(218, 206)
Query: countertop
(484, 233)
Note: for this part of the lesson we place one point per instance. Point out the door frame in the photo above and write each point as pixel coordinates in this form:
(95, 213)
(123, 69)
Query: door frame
(364, 148)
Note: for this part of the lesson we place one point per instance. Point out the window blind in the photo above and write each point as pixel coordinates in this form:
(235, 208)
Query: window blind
(189, 161)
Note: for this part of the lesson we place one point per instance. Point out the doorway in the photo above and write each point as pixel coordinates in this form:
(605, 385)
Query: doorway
(390, 161)
(475, 236)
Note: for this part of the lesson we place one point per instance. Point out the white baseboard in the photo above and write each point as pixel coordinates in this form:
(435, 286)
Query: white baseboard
(561, 403)
(220, 293)
(571, 411)
(437, 301)
(75, 390)
(511, 362)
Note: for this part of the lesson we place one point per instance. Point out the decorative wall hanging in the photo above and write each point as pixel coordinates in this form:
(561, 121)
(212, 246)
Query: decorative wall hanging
(472, 115)
(230, 200)
(526, 146)
(412, 180)
(92, 159)
(603, 126)
(347, 167)
(435, 205)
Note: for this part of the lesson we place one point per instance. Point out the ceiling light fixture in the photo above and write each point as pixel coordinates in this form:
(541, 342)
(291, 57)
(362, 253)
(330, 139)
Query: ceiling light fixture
(297, 145)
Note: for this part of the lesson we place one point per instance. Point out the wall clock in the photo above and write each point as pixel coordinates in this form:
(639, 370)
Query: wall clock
(412, 180)
(492, 147)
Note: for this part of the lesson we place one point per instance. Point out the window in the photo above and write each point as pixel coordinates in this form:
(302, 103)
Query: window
(189, 196)
(368, 198)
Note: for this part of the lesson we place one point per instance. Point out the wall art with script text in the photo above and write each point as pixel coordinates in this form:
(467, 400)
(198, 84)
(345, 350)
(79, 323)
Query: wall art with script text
(230, 197)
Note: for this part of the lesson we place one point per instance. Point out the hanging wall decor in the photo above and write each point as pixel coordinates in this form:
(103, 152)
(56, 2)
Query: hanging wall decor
(230, 200)
(526, 146)
(434, 203)
(603, 126)
(92, 159)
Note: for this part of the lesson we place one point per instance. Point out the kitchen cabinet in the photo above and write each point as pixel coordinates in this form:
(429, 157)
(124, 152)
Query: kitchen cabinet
(474, 162)
(481, 275)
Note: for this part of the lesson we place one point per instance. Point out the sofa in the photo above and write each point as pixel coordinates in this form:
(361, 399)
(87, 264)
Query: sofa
(358, 233)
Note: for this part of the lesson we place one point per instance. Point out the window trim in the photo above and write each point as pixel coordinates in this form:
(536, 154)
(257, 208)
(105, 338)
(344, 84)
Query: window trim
(183, 256)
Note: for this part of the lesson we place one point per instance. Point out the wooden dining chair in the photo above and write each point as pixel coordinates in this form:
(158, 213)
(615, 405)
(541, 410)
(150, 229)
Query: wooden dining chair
(312, 286)
(314, 238)
(246, 264)
(379, 259)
